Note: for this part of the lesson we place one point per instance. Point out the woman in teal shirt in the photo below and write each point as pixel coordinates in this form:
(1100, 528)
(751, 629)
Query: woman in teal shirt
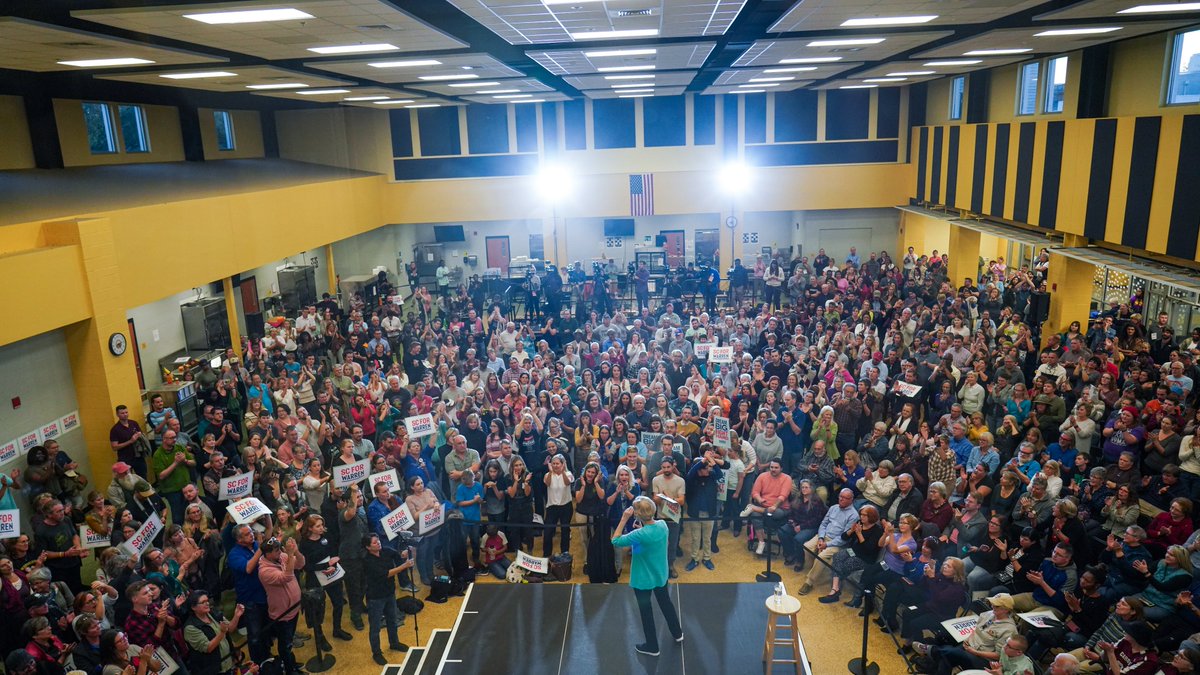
(648, 572)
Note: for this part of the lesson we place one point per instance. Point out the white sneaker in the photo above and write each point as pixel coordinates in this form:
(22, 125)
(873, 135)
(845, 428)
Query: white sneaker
(762, 546)
(747, 511)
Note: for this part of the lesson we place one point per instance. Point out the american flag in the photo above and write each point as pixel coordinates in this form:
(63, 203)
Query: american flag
(641, 194)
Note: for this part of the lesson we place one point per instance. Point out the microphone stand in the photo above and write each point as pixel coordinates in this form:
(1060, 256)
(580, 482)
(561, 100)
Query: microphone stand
(768, 575)
(860, 665)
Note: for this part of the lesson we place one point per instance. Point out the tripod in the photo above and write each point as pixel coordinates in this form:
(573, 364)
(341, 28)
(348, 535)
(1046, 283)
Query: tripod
(314, 616)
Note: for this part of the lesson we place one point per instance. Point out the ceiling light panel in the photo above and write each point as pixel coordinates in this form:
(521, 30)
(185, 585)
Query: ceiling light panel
(678, 78)
(1004, 42)
(40, 47)
(539, 97)
(757, 88)
(664, 57)
(813, 15)
(517, 86)
(797, 51)
(619, 93)
(756, 75)
(523, 22)
(1120, 10)
(333, 24)
(238, 79)
(484, 67)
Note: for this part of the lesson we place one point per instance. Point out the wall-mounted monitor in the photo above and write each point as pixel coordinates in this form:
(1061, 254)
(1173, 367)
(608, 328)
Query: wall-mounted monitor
(448, 233)
(618, 227)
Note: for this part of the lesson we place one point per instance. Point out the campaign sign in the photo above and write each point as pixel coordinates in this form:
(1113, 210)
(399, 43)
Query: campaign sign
(236, 486)
(390, 477)
(397, 521)
(325, 579)
(700, 349)
(1040, 619)
(29, 440)
(721, 435)
(349, 474)
(720, 355)
(168, 663)
(671, 509)
(432, 519)
(10, 451)
(961, 627)
(51, 430)
(89, 538)
(144, 537)
(10, 524)
(420, 425)
(532, 564)
(247, 510)
(69, 421)
(907, 388)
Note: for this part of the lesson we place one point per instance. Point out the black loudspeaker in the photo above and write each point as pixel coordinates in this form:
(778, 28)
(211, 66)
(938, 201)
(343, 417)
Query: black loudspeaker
(255, 325)
(1039, 308)
(660, 240)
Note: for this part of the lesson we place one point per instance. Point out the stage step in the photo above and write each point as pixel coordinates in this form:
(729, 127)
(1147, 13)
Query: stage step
(435, 651)
(408, 666)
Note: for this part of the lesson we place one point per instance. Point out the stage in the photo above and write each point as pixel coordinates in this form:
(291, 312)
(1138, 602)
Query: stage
(556, 628)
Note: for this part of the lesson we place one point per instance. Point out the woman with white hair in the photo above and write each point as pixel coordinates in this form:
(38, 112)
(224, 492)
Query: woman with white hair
(825, 429)
(648, 571)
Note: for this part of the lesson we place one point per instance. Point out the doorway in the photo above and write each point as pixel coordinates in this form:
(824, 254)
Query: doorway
(673, 247)
(708, 247)
(498, 254)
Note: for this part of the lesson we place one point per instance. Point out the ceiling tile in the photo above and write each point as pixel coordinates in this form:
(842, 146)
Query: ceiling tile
(243, 77)
(38, 47)
(783, 86)
(480, 65)
(809, 15)
(1110, 8)
(543, 97)
(607, 80)
(771, 52)
(665, 57)
(633, 92)
(525, 85)
(1024, 38)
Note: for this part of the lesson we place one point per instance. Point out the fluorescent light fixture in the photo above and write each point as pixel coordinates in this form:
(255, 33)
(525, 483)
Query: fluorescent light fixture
(1166, 7)
(636, 96)
(785, 78)
(618, 69)
(800, 69)
(885, 79)
(747, 91)
(846, 42)
(321, 92)
(411, 63)
(355, 49)
(365, 98)
(567, 2)
(888, 21)
(638, 91)
(628, 77)
(393, 101)
(425, 105)
(1059, 32)
(496, 91)
(997, 52)
(463, 76)
(953, 62)
(196, 76)
(632, 84)
(811, 59)
(620, 52)
(278, 85)
(760, 85)
(476, 84)
(858, 86)
(613, 34)
(912, 73)
(103, 63)
(529, 100)
(515, 96)
(249, 16)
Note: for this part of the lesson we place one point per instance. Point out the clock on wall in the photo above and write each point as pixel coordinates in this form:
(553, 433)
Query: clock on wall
(731, 222)
(117, 344)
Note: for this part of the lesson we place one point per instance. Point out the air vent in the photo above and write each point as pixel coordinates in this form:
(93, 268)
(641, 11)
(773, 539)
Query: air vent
(846, 50)
(379, 26)
(632, 12)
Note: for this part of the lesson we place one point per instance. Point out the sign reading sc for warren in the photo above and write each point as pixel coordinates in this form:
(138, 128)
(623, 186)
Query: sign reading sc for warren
(144, 537)
(397, 521)
(29, 440)
(720, 354)
(236, 486)
(247, 510)
(535, 565)
(10, 451)
(51, 430)
(349, 474)
(390, 477)
(10, 524)
(420, 425)
(89, 538)
(69, 421)
(431, 519)
(961, 627)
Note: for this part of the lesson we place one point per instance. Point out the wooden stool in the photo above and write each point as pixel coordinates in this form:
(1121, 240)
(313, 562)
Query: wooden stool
(787, 609)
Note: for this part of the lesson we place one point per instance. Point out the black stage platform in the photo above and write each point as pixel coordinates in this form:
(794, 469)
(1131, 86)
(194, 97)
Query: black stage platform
(553, 629)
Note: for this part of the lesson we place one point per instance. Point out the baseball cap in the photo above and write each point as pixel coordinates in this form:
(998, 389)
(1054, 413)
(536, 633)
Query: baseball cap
(121, 467)
(1002, 600)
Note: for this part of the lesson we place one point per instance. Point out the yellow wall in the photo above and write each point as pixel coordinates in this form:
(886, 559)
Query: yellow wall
(937, 102)
(50, 293)
(247, 135)
(1139, 78)
(162, 125)
(924, 233)
(16, 148)
(354, 138)
(1002, 94)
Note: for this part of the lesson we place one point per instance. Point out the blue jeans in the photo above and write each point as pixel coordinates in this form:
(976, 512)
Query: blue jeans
(255, 622)
(283, 632)
(425, 549)
(175, 500)
(793, 540)
(379, 612)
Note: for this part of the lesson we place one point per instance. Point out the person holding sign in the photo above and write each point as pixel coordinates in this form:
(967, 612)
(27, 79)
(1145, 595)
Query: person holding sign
(420, 500)
(648, 573)
(670, 493)
(381, 567)
(321, 556)
(982, 646)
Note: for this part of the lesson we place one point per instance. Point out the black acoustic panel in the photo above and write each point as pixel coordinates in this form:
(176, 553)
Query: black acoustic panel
(1104, 142)
(1143, 164)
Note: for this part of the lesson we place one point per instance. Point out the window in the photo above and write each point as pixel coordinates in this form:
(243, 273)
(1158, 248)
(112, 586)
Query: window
(957, 87)
(102, 137)
(1027, 88)
(1183, 85)
(133, 128)
(224, 122)
(1056, 84)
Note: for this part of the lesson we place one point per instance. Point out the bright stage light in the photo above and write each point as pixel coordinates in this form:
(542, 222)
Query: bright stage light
(555, 183)
(734, 178)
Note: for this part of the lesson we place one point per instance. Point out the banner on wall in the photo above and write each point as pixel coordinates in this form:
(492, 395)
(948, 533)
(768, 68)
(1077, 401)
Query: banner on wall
(69, 421)
(10, 451)
(50, 430)
(30, 440)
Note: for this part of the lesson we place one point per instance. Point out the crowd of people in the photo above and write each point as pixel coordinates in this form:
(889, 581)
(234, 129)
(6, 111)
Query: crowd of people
(886, 429)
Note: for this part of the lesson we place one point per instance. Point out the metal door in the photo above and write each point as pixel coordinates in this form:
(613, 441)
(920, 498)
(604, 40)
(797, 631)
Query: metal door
(498, 253)
(673, 247)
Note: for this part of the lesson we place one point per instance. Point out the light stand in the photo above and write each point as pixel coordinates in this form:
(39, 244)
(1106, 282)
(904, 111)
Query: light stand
(315, 615)
(860, 665)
